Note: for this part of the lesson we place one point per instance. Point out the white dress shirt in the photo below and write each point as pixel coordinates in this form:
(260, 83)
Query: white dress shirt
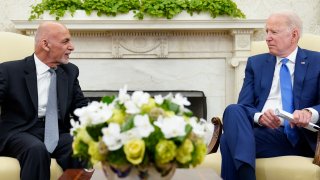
(274, 99)
(43, 82)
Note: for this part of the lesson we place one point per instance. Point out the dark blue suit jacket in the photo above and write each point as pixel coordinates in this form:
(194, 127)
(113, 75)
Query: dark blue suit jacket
(306, 88)
(19, 96)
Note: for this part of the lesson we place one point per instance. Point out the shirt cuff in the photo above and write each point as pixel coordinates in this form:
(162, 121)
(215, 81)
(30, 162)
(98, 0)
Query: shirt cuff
(256, 117)
(314, 116)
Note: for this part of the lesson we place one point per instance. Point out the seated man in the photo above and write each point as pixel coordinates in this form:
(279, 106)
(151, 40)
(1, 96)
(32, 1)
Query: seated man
(287, 78)
(37, 96)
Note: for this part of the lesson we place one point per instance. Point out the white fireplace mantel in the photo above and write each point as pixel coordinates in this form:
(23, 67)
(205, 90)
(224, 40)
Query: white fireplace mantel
(185, 53)
(183, 21)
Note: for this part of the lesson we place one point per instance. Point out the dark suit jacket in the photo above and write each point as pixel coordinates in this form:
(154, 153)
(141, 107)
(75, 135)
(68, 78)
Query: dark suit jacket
(306, 88)
(19, 96)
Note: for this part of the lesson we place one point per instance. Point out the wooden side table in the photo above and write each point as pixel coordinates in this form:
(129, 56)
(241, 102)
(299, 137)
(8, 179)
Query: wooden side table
(76, 174)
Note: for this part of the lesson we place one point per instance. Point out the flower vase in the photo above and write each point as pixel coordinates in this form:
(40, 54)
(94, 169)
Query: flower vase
(133, 173)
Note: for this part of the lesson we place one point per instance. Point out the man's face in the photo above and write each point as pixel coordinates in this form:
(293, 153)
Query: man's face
(280, 37)
(60, 46)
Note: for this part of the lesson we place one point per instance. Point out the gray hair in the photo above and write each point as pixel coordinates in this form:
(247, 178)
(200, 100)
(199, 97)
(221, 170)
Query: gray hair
(293, 20)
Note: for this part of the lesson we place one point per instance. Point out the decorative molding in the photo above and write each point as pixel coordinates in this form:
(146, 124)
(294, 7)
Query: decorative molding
(243, 42)
(140, 44)
(90, 34)
(217, 24)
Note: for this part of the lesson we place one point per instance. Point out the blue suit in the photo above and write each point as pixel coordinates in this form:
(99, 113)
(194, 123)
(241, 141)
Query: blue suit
(242, 140)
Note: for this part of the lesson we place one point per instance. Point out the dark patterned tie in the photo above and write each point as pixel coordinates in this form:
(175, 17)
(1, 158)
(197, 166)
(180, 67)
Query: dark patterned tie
(287, 101)
(51, 132)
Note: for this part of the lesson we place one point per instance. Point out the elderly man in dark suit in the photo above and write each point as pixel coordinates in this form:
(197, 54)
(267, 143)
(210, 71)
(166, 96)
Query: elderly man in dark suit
(287, 78)
(37, 96)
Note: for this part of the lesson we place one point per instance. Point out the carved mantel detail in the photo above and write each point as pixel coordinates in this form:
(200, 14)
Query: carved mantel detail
(140, 44)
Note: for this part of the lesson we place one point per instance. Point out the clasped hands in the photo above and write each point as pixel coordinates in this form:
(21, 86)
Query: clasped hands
(301, 118)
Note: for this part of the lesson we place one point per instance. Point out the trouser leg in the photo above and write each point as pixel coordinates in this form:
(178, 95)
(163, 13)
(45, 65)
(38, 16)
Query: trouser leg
(228, 169)
(63, 153)
(238, 146)
(32, 155)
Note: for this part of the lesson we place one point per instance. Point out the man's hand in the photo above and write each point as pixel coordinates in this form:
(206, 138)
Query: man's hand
(269, 119)
(301, 118)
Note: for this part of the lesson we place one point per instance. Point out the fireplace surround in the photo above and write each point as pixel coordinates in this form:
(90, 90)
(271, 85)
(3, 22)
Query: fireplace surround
(186, 53)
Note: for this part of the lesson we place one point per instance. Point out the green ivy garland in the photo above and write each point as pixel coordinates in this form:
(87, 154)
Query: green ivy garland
(154, 8)
(110, 7)
(56, 7)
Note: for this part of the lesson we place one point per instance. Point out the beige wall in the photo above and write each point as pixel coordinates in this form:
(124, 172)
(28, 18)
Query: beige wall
(309, 12)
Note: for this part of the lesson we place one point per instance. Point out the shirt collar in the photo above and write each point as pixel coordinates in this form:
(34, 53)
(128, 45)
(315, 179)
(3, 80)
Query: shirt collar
(40, 66)
(291, 57)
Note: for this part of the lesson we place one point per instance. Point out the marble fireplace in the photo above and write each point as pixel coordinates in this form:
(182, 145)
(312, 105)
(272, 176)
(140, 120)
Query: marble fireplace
(195, 53)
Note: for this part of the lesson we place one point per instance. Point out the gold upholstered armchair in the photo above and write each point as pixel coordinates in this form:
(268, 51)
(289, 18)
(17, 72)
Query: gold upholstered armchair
(15, 46)
(283, 167)
(307, 41)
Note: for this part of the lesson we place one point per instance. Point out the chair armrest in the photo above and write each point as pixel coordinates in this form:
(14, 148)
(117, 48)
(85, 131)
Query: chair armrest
(215, 140)
(316, 159)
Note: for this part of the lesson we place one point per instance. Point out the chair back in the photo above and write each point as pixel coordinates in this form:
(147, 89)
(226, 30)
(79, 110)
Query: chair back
(15, 46)
(307, 41)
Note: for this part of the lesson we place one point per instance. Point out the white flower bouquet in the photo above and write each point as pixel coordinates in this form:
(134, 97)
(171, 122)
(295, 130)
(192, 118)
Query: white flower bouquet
(139, 131)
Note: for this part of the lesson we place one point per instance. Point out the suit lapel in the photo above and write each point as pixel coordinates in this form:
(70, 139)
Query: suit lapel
(300, 70)
(267, 73)
(62, 90)
(31, 80)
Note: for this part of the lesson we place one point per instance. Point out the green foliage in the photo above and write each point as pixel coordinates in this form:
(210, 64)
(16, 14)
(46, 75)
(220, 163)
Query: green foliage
(110, 7)
(170, 106)
(215, 8)
(161, 8)
(188, 113)
(117, 158)
(56, 7)
(108, 99)
(154, 8)
(82, 149)
(95, 131)
(222, 7)
(129, 124)
(152, 140)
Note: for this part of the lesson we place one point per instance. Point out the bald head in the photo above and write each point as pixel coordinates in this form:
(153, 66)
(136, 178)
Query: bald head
(53, 43)
(47, 29)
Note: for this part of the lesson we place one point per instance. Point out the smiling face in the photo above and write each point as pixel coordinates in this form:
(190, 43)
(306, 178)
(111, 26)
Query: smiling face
(281, 38)
(53, 44)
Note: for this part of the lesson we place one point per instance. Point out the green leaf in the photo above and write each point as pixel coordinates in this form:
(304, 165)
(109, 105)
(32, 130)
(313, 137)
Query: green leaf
(128, 124)
(95, 130)
(188, 113)
(108, 99)
(82, 150)
(152, 140)
(168, 105)
(117, 157)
